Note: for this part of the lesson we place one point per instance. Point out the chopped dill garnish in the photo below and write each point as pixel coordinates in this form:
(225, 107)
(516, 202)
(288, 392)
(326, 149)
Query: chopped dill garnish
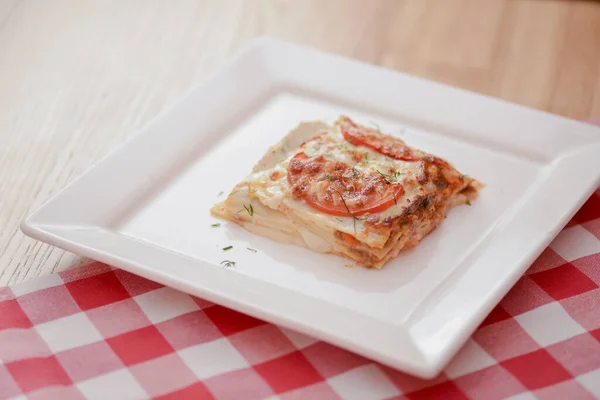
(375, 125)
(355, 173)
(227, 248)
(391, 177)
(354, 218)
(395, 201)
(228, 263)
(345, 205)
(216, 225)
(249, 208)
(329, 177)
(252, 250)
(220, 193)
(468, 202)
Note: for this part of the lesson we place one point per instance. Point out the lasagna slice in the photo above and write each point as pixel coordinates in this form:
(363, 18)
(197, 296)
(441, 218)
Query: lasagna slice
(349, 190)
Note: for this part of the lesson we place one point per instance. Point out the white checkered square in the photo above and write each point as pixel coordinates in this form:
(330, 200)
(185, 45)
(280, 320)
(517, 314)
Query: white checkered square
(299, 340)
(34, 285)
(115, 385)
(213, 358)
(165, 303)
(591, 381)
(366, 382)
(575, 242)
(549, 324)
(68, 332)
(472, 357)
(523, 396)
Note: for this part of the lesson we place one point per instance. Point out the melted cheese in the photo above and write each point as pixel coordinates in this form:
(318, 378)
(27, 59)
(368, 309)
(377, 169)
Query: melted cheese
(280, 217)
(275, 193)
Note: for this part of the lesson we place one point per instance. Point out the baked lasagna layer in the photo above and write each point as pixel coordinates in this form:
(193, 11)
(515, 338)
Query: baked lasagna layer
(349, 190)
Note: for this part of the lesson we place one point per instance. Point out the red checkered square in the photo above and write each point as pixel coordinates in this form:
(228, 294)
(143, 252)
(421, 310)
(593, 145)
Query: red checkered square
(97, 291)
(331, 360)
(585, 309)
(489, 383)
(496, 315)
(117, 318)
(288, 372)
(134, 284)
(564, 281)
(595, 334)
(140, 345)
(589, 266)
(202, 303)
(6, 293)
(77, 361)
(229, 321)
(578, 355)
(262, 343)
(547, 370)
(197, 391)
(593, 227)
(450, 390)
(565, 390)
(8, 386)
(589, 211)
(17, 344)
(525, 296)
(547, 260)
(13, 315)
(248, 385)
(188, 330)
(34, 373)
(48, 304)
(492, 339)
(571, 223)
(321, 391)
(157, 384)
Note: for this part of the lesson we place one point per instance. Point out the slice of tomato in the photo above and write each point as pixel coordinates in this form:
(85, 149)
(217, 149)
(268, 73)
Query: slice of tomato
(338, 208)
(384, 144)
(335, 188)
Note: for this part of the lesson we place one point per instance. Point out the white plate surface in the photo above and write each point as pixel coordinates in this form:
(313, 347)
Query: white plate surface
(145, 208)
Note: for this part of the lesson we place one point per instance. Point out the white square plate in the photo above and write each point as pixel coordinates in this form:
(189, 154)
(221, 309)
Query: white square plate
(145, 208)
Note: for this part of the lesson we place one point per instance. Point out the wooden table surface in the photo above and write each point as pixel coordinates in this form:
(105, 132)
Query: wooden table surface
(77, 77)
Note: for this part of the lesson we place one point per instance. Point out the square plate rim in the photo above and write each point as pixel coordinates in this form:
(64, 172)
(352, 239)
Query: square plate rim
(426, 367)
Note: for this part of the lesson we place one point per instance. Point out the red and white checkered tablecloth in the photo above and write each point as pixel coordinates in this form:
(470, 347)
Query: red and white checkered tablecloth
(101, 333)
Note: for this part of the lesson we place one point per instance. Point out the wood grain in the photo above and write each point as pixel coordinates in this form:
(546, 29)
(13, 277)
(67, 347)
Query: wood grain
(79, 77)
